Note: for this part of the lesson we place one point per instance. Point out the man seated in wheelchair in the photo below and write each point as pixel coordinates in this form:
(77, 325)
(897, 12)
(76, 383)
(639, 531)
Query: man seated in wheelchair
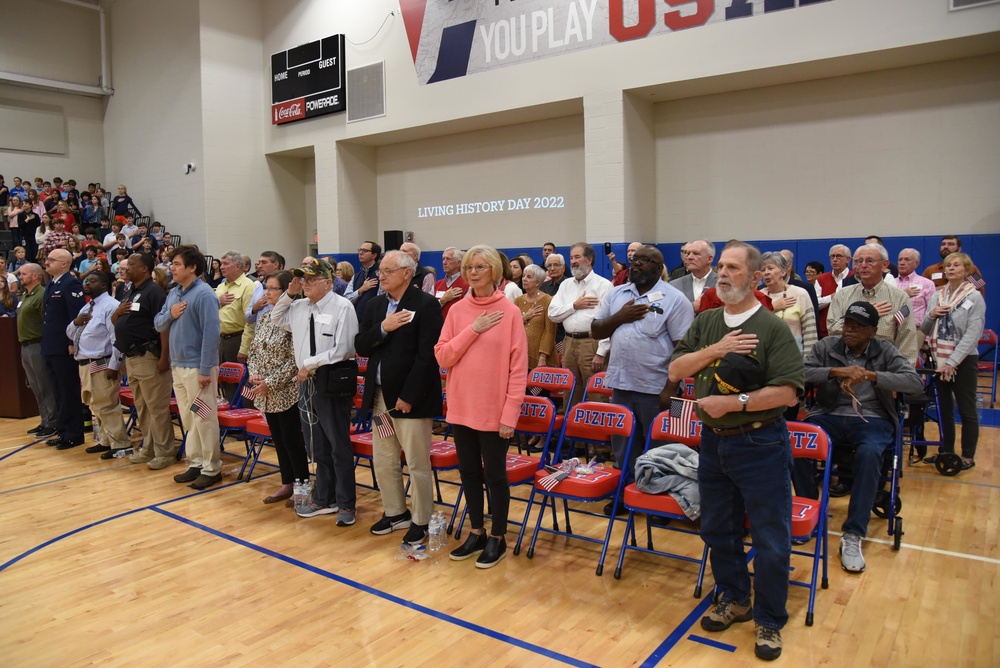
(855, 376)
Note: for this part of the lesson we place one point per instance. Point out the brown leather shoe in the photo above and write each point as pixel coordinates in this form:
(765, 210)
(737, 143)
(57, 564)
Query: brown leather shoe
(203, 481)
(188, 476)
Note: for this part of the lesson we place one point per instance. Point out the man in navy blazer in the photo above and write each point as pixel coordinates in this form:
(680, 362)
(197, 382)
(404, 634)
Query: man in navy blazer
(62, 303)
(397, 333)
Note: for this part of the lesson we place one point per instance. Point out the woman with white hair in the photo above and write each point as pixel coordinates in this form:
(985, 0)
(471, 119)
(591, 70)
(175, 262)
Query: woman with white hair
(789, 302)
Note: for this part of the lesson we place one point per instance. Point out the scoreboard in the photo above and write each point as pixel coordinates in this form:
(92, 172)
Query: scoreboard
(308, 80)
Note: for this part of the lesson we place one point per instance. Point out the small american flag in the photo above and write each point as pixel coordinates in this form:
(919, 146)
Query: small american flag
(248, 392)
(554, 478)
(901, 314)
(681, 412)
(977, 281)
(535, 390)
(202, 409)
(97, 366)
(383, 425)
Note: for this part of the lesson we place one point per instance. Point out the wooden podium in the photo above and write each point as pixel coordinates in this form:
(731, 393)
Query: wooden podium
(16, 398)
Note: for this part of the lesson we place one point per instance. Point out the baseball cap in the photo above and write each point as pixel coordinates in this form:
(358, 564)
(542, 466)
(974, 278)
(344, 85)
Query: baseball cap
(320, 268)
(863, 313)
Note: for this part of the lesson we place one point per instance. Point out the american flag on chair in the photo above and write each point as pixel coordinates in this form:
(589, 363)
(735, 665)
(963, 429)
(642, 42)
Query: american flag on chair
(248, 392)
(535, 390)
(383, 425)
(901, 314)
(681, 413)
(977, 281)
(97, 366)
(556, 475)
(202, 409)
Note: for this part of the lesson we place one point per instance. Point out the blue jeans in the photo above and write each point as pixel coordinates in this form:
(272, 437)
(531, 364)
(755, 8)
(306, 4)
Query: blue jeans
(747, 475)
(645, 407)
(871, 440)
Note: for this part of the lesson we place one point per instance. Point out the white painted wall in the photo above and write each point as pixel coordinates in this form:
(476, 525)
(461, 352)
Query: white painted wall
(80, 121)
(899, 152)
(528, 162)
(153, 122)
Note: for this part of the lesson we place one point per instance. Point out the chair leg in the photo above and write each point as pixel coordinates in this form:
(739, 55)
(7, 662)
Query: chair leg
(629, 527)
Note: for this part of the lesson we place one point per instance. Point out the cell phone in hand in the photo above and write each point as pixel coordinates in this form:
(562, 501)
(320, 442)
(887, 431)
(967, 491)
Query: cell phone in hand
(607, 247)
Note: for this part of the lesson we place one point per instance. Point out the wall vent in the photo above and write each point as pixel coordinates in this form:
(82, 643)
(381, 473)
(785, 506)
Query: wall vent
(366, 92)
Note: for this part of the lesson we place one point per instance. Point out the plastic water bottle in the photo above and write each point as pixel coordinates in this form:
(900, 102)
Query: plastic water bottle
(124, 452)
(434, 531)
(980, 404)
(307, 489)
(297, 493)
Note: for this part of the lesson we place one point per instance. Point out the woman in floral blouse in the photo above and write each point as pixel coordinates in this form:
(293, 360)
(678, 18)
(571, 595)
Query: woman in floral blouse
(272, 375)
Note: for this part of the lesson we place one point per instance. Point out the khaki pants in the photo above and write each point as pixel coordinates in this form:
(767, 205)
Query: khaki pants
(151, 390)
(202, 443)
(101, 394)
(578, 356)
(413, 436)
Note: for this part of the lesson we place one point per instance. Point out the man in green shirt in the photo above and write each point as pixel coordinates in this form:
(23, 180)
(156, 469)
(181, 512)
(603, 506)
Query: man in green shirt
(29, 333)
(746, 457)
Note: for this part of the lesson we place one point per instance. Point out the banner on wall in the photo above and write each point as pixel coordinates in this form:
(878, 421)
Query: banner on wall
(452, 38)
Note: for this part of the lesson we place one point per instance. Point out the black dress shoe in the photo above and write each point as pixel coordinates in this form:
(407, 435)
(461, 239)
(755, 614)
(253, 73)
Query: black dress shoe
(839, 490)
(473, 545)
(610, 506)
(54, 441)
(203, 481)
(97, 449)
(188, 476)
(36, 431)
(68, 443)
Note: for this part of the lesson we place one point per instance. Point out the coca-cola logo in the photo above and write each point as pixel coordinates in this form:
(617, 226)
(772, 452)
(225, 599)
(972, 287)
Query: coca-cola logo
(288, 111)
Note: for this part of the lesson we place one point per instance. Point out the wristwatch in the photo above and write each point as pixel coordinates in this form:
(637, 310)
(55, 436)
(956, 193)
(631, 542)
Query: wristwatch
(744, 399)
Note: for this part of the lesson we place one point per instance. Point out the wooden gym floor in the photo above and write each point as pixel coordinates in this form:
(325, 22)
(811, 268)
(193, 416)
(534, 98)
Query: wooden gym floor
(103, 562)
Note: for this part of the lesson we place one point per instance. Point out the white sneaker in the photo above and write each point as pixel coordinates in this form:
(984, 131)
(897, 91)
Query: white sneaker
(850, 553)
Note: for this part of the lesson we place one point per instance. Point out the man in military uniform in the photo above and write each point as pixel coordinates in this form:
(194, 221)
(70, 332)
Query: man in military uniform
(61, 304)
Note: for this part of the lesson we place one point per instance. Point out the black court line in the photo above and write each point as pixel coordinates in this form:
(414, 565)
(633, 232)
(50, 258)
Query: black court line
(23, 447)
(476, 628)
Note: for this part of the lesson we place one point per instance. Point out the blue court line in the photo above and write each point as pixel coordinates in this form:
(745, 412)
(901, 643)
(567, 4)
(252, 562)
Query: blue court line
(23, 447)
(28, 553)
(712, 643)
(476, 628)
(678, 633)
(949, 479)
(71, 477)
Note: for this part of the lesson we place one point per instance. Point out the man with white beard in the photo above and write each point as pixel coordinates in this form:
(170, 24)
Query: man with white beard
(747, 370)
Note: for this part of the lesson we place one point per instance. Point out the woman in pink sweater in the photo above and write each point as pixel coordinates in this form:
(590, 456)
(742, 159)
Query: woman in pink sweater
(484, 347)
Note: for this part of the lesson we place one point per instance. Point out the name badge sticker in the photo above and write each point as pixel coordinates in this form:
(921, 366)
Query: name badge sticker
(439, 294)
(134, 307)
(937, 276)
(966, 304)
(324, 318)
(654, 296)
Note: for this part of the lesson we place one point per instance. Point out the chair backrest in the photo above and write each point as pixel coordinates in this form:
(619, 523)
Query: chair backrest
(988, 345)
(233, 373)
(598, 422)
(596, 385)
(359, 394)
(538, 415)
(686, 389)
(443, 372)
(362, 364)
(553, 379)
(660, 431)
(809, 441)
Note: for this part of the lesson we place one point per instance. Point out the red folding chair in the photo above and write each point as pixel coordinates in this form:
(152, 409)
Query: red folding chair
(809, 516)
(232, 416)
(596, 387)
(558, 382)
(537, 418)
(989, 362)
(592, 423)
(662, 505)
(259, 435)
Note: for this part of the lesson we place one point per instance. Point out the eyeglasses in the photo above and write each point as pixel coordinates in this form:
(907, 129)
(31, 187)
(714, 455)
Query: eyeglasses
(478, 268)
(390, 271)
(364, 250)
(834, 256)
(313, 280)
(867, 260)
